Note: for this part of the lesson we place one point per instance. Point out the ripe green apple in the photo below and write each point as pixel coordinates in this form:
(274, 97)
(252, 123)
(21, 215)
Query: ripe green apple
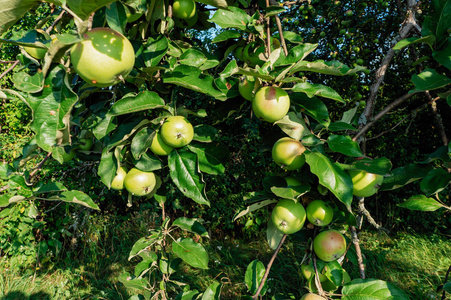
(139, 183)
(184, 9)
(288, 216)
(177, 131)
(291, 181)
(329, 245)
(247, 87)
(319, 213)
(103, 57)
(159, 147)
(118, 180)
(311, 296)
(85, 144)
(288, 153)
(271, 103)
(365, 184)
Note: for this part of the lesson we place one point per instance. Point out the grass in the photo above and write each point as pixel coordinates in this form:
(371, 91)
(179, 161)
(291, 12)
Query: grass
(91, 268)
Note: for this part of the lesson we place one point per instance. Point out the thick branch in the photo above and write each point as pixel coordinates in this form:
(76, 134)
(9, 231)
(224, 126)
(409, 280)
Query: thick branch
(355, 241)
(364, 211)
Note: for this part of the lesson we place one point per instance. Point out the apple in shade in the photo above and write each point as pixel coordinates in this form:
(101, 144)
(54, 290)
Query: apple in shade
(288, 153)
(118, 180)
(247, 85)
(271, 103)
(288, 216)
(291, 181)
(365, 184)
(159, 147)
(329, 245)
(319, 213)
(139, 183)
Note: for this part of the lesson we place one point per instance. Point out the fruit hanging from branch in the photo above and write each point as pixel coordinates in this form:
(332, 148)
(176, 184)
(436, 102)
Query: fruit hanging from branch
(177, 131)
(319, 213)
(271, 103)
(365, 184)
(288, 153)
(139, 183)
(288, 216)
(329, 245)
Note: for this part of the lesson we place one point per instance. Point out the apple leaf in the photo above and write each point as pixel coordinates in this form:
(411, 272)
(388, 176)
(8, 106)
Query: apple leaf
(293, 192)
(151, 53)
(191, 252)
(318, 90)
(50, 188)
(7, 199)
(232, 18)
(293, 126)
(399, 177)
(143, 243)
(215, 3)
(340, 126)
(142, 141)
(148, 163)
(191, 225)
(226, 35)
(296, 54)
(313, 107)
(75, 197)
(28, 83)
(212, 157)
(115, 16)
(124, 131)
(430, 40)
(205, 133)
(213, 291)
(331, 175)
(421, 203)
(380, 166)
(345, 145)
(83, 8)
(373, 289)
(429, 79)
(130, 103)
(132, 282)
(443, 56)
(273, 235)
(183, 169)
(253, 207)
(326, 67)
(13, 10)
(443, 18)
(447, 287)
(254, 275)
(435, 181)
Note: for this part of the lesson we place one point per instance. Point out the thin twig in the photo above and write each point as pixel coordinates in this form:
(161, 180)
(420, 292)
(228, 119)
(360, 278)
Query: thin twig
(364, 211)
(282, 39)
(9, 69)
(268, 267)
(355, 241)
(60, 16)
(268, 32)
(39, 166)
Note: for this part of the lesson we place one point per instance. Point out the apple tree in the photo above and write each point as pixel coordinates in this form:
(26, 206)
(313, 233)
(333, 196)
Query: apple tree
(111, 85)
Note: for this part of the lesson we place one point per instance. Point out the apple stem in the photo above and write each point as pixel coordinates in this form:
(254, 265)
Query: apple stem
(268, 268)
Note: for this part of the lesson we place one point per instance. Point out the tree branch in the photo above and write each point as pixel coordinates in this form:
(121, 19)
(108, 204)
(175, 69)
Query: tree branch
(15, 63)
(355, 241)
(362, 210)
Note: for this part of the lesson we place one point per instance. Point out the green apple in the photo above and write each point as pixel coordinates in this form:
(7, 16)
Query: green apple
(288, 153)
(39, 53)
(103, 58)
(311, 296)
(85, 144)
(365, 184)
(319, 213)
(139, 183)
(291, 181)
(159, 147)
(177, 131)
(118, 180)
(329, 245)
(271, 103)
(308, 271)
(288, 216)
(184, 9)
(247, 87)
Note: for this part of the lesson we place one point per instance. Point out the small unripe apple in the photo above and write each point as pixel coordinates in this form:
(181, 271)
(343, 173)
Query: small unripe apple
(288, 153)
(177, 131)
(271, 103)
(365, 184)
(118, 180)
(329, 245)
(319, 213)
(288, 216)
(139, 183)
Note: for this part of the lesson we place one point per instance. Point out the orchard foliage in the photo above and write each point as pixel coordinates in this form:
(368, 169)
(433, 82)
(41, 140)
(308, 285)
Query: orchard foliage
(303, 55)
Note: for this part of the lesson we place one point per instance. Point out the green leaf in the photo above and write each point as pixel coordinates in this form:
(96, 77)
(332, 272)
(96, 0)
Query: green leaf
(226, 35)
(374, 289)
(143, 101)
(293, 192)
(340, 126)
(183, 169)
(399, 177)
(213, 291)
(205, 133)
(447, 287)
(215, 3)
(443, 56)
(116, 17)
(18, 183)
(132, 282)
(7, 199)
(296, 54)
(293, 126)
(28, 83)
(107, 167)
(76, 197)
(191, 252)
(313, 107)
(421, 203)
(232, 18)
(273, 235)
(192, 57)
(254, 275)
(191, 225)
(443, 19)
(429, 79)
(430, 40)
(318, 90)
(345, 145)
(50, 188)
(151, 53)
(212, 157)
(253, 207)
(274, 10)
(380, 166)
(124, 131)
(326, 67)
(84, 8)
(331, 176)
(193, 79)
(142, 141)
(12, 10)
(143, 243)
(435, 181)
(148, 162)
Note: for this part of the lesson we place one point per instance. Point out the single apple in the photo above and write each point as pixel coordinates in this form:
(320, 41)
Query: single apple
(288, 153)
(177, 131)
(308, 271)
(247, 87)
(311, 296)
(103, 58)
(85, 144)
(329, 245)
(139, 183)
(159, 147)
(288, 216)
(118, 180)
(184, 9)
(365, 184)
(38, 52)
(271, 103)
(319, 213)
